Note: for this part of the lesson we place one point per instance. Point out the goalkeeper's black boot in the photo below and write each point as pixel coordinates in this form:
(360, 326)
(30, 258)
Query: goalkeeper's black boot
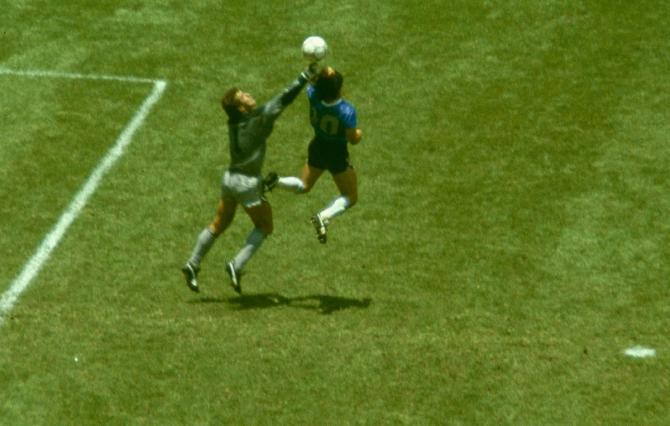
(191, 274)
(235, 277)
(270, 181)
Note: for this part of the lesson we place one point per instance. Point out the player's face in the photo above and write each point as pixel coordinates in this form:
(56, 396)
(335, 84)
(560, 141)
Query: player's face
(246, 101)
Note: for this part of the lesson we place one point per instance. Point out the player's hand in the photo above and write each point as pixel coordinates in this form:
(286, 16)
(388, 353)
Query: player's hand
(353, 135)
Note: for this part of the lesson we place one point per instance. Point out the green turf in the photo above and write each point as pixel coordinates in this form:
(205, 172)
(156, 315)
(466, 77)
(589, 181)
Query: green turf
(510, 242)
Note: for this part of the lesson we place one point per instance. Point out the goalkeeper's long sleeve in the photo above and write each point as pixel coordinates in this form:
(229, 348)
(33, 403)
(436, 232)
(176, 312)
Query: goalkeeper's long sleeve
(292, 91)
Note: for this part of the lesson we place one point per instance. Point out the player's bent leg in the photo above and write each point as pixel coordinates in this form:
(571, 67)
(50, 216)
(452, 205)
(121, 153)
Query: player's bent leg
(347, 183)
(309, 176)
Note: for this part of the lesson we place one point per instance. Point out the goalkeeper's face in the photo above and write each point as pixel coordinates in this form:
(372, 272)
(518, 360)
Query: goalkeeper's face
(245, 101)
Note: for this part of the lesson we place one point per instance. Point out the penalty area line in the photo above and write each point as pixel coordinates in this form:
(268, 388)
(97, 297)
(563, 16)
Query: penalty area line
(51, 240)
(75, 76)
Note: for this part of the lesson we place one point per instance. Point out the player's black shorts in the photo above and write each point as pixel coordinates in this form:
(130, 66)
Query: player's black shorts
(327, 155)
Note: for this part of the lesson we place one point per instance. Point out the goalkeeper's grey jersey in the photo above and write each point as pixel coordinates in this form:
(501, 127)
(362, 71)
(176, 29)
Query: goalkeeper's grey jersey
(248, 137)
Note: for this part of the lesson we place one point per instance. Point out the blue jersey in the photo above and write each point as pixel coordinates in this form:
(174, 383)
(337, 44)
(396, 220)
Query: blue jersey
(330, 119)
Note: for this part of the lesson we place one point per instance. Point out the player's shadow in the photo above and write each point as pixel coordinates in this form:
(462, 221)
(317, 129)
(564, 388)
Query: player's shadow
(321, 303)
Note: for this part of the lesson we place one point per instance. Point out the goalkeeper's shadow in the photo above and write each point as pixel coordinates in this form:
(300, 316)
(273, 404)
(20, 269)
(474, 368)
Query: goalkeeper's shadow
(321, 303)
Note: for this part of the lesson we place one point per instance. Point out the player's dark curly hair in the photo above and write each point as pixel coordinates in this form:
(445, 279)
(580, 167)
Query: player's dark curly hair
(230, 104)
(329, 85)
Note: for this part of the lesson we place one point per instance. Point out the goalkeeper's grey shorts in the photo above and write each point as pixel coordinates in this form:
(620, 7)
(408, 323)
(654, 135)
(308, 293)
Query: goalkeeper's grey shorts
(247, 190)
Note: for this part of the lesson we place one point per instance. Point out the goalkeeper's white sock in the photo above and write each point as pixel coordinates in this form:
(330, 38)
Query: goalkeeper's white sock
(335, 208)
(253, 243)
(202, 245)
(291, 183)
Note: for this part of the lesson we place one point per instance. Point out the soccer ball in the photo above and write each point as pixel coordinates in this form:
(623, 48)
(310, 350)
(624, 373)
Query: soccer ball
(314, 48)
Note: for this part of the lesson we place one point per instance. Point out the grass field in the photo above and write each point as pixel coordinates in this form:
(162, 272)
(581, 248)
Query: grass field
(511, 240)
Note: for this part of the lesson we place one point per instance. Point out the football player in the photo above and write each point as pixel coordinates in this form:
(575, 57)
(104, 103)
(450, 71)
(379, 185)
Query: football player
(335, 126)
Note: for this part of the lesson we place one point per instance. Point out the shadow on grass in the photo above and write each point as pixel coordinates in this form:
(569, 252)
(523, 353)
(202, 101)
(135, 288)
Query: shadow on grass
(321, 303)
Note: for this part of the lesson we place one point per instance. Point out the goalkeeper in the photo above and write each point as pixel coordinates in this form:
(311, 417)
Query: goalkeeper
(249, 127)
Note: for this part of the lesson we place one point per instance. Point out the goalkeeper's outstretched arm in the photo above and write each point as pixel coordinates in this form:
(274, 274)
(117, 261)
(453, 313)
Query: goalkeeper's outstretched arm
(288, 95)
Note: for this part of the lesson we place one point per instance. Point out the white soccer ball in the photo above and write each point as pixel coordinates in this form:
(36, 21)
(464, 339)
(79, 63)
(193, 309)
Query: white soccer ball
(314, 48)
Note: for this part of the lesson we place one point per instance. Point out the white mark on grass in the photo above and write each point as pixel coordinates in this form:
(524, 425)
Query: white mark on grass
(75, 76)
(41, 255)
(640, 352)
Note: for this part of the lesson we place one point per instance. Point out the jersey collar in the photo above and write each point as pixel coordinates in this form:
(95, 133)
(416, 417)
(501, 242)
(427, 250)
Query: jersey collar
(330, 104)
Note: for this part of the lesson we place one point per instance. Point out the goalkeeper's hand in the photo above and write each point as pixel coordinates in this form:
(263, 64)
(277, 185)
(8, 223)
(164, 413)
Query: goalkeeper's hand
(311, 73)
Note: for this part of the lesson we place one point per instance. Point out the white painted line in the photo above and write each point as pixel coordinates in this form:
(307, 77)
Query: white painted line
(640, 352)
(34, 265)
(75, 76)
